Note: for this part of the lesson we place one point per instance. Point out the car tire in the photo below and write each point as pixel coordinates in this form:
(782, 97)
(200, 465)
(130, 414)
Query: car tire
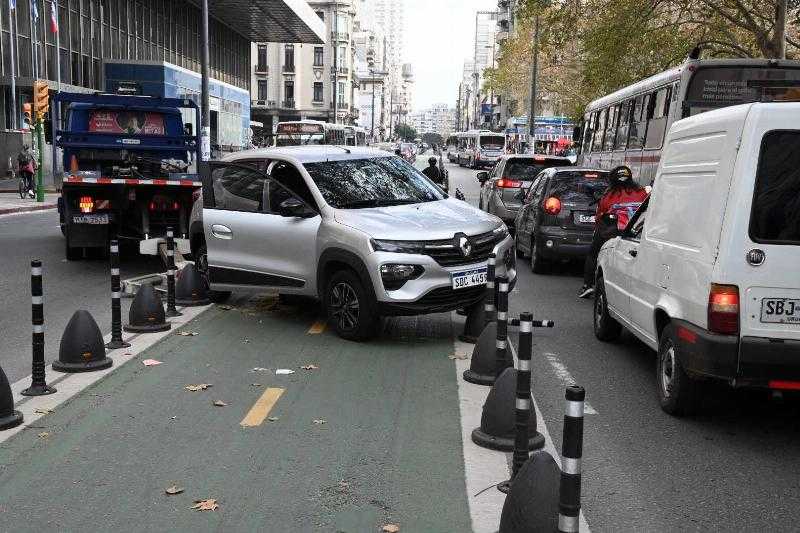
(70, 253)
(201, 263)
(678, 393)
(606, 328)
(538, 264)
(351, 309)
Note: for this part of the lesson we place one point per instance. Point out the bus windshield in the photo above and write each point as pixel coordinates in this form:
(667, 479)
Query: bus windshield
(715, 87)
(299, 139)
(493, 142)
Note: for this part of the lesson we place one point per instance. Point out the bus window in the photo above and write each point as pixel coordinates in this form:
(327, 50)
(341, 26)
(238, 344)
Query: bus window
(638, 126)
(589, 125)
(624, 123)
(611, 130)
(597, 142)
(657, 124)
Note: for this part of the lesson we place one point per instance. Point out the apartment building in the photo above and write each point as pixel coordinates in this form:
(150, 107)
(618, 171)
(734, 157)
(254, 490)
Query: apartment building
(439, 118)
(370, 54)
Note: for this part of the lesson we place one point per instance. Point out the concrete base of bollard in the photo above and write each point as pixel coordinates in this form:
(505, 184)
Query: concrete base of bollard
(38, 390)
(476, 320)
(147, 329)
(532, 502)
(116, 345)
(484, 358)
(10, 421)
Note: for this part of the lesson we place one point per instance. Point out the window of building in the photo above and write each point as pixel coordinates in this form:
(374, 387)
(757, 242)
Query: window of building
(318, 91)
(288, 91)
(288, 58)
(341, 93)
(263, 89)
(319, 56)
(261, 65)
(342, 57)
(321, 15)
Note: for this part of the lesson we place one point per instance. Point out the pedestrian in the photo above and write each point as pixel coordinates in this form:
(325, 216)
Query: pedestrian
(26, 165)
(433, 171)
(622, 198)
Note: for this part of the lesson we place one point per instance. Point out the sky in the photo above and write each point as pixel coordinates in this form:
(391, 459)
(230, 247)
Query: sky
(439, 37)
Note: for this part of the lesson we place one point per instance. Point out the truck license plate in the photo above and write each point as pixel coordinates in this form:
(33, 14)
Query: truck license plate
(470, 278)
(90, 219)
(780, 311)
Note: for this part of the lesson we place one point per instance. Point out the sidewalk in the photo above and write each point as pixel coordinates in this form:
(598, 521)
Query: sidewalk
(367, 436)
(12, 203)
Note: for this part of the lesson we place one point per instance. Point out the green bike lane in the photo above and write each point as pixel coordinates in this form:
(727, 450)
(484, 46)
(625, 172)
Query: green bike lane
(369, 437)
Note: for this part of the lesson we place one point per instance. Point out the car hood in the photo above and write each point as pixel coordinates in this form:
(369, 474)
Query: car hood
(426, 221)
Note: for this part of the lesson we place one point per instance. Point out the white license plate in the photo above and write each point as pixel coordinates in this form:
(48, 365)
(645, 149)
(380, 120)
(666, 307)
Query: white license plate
(586, 219)
(90, 219)
(470, 278)
(780, 311)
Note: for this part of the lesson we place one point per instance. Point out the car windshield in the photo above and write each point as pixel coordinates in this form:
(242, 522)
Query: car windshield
(492, 142)
(374, 182)
(579, 187)
(527, 169)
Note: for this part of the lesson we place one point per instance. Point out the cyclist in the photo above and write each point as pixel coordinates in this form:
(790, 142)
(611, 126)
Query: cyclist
(26, 164)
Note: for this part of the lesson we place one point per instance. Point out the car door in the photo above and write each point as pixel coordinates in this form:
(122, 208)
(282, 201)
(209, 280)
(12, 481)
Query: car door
(623, 266)
(491, 186)
(522, 229)
(250, 244)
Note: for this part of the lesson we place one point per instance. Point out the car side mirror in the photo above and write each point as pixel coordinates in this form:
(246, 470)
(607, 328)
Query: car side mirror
(482, 177)
(294, 208)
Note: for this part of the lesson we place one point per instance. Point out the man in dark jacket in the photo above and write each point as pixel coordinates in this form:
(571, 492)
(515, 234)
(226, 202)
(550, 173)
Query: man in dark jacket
(433, 171)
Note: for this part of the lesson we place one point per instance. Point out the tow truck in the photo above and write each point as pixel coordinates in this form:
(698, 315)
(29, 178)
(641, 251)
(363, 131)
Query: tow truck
(128, 164)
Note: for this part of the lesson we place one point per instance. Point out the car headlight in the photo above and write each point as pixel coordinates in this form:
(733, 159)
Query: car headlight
(395, 276)
(500, 233)
(401, 247)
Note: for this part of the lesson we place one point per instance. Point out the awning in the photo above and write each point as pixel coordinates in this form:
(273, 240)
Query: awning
(280, 21)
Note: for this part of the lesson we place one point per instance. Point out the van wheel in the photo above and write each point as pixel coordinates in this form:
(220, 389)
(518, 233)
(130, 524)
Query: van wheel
(538, 265)
(606, 328)
(201, 263)
(350, 308)
(677, 392)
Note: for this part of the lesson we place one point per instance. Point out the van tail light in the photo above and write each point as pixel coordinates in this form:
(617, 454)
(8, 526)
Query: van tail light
(723, 309)
(552, 206)
(86, 204)
(505, 183)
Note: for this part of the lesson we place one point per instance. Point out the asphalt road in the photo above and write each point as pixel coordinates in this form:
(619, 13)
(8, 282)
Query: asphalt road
(733, 467)
(68, 286)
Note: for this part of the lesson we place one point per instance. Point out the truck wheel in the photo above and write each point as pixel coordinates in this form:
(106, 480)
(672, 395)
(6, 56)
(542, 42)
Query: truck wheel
(201, 263)
(677, 392)
(71, 254)
(351, 309)
(606, 328)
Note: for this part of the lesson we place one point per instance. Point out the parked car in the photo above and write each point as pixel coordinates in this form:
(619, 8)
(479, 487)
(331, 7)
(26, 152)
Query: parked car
(502, 189)
(360, 229)
(706, 272)
(557, 219)
(408, 151)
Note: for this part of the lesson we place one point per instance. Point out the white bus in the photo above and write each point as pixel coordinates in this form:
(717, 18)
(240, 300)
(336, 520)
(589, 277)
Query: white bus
(304, 132)
(480, 148)
(355, 136)
(628, 126)
(451, 145)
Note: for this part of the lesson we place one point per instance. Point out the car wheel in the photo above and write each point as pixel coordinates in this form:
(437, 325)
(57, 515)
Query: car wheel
(677, 392)
(201, 263)
(606, 328)
(350, 308)
(538, 264)
(70, 253)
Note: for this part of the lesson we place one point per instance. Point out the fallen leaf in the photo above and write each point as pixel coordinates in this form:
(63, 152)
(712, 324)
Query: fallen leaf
(272, 419)
(188, 333)
(195, 388)
(173, 418)
(151, 362)
(310, 367)
(458, 355)
(319, 421)
(220, 403)
(283, 371)
(255, 384)
(42, 411)
(259, 369)
(390, 528)
(174, 489)
(205, 505)
(43, 435)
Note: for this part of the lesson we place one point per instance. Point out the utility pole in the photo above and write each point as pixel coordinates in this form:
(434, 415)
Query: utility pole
(205, 112)
(534, 75)
(372, 112)
(458, 108)
(780, 28)
(335, 41)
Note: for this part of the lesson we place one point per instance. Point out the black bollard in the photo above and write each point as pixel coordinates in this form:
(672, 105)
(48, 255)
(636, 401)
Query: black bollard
(501, 355)
(489, 299)
(569, 491)
(9, 418)
(171, 310)
(39, 386)
(116, 305)
(523, 405)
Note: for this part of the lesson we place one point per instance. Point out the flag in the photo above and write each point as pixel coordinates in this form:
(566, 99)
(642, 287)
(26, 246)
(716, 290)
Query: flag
(53, 17)
(35, 6)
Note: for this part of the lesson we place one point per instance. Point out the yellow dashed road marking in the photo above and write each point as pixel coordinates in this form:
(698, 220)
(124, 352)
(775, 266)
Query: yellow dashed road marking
(261, 408)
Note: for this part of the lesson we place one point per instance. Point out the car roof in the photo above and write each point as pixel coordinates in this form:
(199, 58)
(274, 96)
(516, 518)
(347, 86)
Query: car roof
(574, 169)
(309, 154)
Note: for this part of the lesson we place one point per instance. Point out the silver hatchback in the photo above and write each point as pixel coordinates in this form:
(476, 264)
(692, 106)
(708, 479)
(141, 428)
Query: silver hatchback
(362, 230)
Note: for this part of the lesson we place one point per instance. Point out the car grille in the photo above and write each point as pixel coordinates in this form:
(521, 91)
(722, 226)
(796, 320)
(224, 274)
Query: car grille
(440, 300)
(447, 253)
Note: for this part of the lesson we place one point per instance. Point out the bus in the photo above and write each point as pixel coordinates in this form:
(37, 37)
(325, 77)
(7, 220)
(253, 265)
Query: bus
(355, 136)
(628, 126)
(480, 148)
(305, 132)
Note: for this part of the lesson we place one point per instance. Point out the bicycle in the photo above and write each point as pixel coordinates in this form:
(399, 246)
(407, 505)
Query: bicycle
(23, 187)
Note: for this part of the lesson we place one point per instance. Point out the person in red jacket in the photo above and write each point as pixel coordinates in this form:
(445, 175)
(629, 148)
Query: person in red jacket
(622, 198)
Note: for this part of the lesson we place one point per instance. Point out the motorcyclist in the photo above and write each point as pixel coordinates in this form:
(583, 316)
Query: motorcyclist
(433, 170)
(622, 198)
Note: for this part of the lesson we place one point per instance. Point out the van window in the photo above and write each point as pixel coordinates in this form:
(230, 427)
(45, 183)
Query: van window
(775, 216)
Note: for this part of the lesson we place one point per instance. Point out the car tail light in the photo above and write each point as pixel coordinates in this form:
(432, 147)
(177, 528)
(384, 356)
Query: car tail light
(505, 183)
(723, 309)
(539, 158)
(86, 204)
(591, 176)
(552, 206)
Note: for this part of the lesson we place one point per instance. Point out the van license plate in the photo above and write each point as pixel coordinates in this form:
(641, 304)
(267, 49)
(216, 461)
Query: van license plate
(90, 219)
(780, 311)
(470, 278)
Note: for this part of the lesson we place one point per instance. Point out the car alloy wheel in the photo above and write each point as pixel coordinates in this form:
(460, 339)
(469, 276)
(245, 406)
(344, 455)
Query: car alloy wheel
(345, 306)
(667, 371)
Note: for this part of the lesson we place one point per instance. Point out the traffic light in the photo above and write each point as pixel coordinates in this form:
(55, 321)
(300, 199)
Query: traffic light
(41, 99)
(26, 113)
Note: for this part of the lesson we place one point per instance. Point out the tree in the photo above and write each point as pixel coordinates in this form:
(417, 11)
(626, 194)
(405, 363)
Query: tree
(405, 132)
(432, 138)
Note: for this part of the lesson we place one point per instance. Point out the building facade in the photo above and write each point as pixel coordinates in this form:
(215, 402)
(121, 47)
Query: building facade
(439, 118)
(483, 58)
(370, 54)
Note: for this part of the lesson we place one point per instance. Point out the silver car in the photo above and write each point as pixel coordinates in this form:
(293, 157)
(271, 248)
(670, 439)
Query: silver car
(360, 229)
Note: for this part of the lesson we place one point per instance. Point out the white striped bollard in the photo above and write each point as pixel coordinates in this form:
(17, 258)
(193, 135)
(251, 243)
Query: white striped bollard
(523, 402)
(171, 310)
(502, 325)
(488, 305)
(39, 386)
(569, 490)
(116, 305)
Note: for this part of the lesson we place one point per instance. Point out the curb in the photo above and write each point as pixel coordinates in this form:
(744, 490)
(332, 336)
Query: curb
(43, 207)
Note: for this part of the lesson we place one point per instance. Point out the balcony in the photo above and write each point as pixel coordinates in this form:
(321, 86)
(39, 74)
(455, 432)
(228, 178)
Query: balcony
(262, 69)
(343, 106)
(288, 69)
(289, 103)
(340, 36)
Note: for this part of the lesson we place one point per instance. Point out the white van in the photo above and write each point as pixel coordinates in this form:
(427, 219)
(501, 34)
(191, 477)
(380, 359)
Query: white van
(708, 271)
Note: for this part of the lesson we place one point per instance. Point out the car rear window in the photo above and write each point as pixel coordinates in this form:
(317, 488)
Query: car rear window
(775, 215)
(578, 186)
(527, 169)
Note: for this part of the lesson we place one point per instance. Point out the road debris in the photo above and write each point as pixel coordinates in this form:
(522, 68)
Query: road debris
(43, 434)
(188, 333)
(259, 369)
(283, 371)
(310, 367)
(151, 362)
(42, 411)
(198, 387)
(205, 505)
(174, 489)
(220, 403)
(390, 528)
(319, 421)
(458, 355)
